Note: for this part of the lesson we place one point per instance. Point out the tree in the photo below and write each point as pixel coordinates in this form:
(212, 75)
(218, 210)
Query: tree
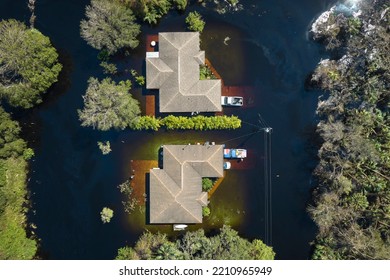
(105, 148)
(108, 105)
(207, 184)
(352, 199)
(149, 10)
(168, 251)
(195, 22)
(28, 64)
(106, 215)
(14, 243)
(226, 245)
(181, 4)
(110, 25)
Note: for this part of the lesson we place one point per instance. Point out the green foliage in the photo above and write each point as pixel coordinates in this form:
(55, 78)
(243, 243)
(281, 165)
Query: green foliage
(28, 153)
(14, 243)
(105, 148)
(28, 64)
(207, 184)
(139, 79)
(199, 122)
(206, 211)
(109, 68)
(195, 22)
(205, 73)
(354, 25)
(352, 199)
(227, 245)
(108, 105)
(106, 215)
(110, 25)
(149, 11)
(147, 123)
(181, 4)
(126, 253)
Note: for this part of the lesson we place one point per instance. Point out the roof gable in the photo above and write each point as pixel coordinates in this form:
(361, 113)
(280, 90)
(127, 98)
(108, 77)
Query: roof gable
(176, 194)
(176, 74)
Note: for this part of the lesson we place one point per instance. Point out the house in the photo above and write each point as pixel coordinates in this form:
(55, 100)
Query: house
(176, 195)
(174, 71)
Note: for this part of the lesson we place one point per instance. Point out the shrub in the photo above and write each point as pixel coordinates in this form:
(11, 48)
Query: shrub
(195, 22)
(207, 184)
(206, 211)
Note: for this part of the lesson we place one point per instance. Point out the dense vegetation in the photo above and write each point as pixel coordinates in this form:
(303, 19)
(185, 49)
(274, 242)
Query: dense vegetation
(185, 123)
(352, 200)
(227, 245)
(195, 22)
(151, 11)
(108, 105)
(28, 64)
(14, 243)
(110, 26)
(205, 73)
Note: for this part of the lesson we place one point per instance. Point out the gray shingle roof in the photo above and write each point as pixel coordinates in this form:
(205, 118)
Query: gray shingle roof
(176, 194)
(176, 74)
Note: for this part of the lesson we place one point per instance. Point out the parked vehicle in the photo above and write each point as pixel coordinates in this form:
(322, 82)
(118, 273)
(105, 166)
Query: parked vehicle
(234, 153)
(227, 165)
(232, 100)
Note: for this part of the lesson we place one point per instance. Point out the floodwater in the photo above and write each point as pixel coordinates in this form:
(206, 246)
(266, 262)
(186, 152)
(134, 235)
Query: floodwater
(265, 45)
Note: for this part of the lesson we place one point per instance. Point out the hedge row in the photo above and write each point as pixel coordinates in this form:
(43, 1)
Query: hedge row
(186, 123)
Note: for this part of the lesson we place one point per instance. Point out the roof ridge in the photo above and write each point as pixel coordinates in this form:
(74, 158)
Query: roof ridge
(168, 40)
(209, 159)
(189, 39)
(162, 183)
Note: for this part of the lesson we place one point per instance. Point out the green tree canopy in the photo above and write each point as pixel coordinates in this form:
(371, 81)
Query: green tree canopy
(110, 25)
(106, 215)
(28, 64)
(227, 245)
(14, 243)
(108, 105)
(195, 22)
(150, 10)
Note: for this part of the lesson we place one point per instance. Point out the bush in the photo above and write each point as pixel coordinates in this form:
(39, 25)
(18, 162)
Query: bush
(195, 22)
(104, 147)
(207, 184)
(187, 123)
(206, 211)
(181, 4)
(109, 68)
(205, 73)
(106, 215)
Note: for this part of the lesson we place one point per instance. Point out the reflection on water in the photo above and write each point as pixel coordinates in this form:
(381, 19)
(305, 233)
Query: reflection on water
(265, 46)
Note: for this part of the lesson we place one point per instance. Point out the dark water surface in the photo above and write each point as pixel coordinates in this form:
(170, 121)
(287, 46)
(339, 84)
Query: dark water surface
(71, 181)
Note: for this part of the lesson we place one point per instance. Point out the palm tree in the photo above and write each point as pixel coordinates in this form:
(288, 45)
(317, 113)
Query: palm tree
(168, 251)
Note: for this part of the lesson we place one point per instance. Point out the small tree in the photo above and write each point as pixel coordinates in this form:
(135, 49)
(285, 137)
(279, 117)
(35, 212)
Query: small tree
(104, 147)
(206, 211)
(181, 4)
(195, 22)
(108, 105)
(207, 184)
(28, 153)
(109, 68)
(110, 25)
(106, 214)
